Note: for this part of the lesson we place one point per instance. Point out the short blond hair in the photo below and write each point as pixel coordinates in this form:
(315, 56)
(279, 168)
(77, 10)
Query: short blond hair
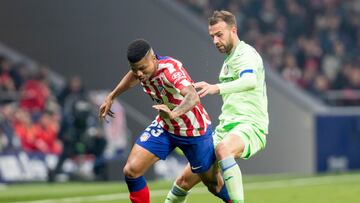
(222, 15)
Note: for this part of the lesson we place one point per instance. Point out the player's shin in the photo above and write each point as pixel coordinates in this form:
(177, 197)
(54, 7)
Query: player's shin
(233, 179)
(176, 195)
(139, 191)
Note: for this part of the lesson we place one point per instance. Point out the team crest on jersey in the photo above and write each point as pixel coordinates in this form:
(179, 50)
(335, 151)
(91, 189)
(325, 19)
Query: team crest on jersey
(159, 101)
(161, 90)
(226, 69)
(144, 137)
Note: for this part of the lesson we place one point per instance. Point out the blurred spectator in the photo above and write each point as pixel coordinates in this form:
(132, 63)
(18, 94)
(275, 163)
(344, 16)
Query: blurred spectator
(80, 131)
(354, 78)
(34, 95)
(308, 77)
(320, 86)
(27, 132)
(22, 73)
(291, 71)
(47, 130)
(96, 145)
(7, 84)
(73, 91)
(39, 137)
(268, 15)
(8, 139)
(342, 78)
(51, 80)
(331, 63)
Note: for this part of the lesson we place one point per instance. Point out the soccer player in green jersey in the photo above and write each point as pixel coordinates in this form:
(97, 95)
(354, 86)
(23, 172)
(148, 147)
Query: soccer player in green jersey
(243, 123)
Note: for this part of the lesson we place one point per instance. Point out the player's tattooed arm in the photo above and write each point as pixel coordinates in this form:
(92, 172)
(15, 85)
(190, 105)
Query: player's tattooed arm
(191, 99)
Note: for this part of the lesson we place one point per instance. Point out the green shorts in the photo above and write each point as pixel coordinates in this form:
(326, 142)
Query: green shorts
(253, 137)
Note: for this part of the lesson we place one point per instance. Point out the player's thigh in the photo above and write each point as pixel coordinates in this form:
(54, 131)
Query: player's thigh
(187, 178)
(139, 161)
(156, 140)
(152, 144)
(198, 150)
(253, 139)
(231, 145)
(242, 140)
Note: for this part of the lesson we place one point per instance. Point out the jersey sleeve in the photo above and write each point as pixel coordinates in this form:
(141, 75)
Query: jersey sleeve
(245, 63)
(177, 77)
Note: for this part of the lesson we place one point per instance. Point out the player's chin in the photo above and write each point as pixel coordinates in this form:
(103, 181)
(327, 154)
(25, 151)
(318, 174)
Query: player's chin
(221, 49)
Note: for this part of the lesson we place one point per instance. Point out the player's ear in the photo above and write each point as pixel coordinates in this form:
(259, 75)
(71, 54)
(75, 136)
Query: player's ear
(152, 54)
(234, 29)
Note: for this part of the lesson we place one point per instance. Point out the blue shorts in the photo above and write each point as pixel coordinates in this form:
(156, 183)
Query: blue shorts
(198, 150)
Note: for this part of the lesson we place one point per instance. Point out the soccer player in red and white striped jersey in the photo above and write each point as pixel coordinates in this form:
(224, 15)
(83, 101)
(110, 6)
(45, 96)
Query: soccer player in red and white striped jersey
(165, 87)
(182, 121)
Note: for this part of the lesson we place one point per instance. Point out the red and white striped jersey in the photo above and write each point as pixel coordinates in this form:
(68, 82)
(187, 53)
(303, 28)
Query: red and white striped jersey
(164, 88)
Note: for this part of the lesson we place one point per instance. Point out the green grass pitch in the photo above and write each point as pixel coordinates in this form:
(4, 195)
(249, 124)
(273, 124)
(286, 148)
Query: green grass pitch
(331, 188)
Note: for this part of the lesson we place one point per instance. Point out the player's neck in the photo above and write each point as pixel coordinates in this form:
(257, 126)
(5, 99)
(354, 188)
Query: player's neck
(235, 42)
(156, 67)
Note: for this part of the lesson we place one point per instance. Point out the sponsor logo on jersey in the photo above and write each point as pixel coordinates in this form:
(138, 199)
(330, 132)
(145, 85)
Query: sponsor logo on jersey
(177, 75)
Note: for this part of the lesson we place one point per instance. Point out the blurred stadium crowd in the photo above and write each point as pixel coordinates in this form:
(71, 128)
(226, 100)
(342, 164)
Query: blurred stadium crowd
(313, 44)
(40, 116)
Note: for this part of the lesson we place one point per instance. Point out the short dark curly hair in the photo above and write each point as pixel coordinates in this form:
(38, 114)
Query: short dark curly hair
(137, 50)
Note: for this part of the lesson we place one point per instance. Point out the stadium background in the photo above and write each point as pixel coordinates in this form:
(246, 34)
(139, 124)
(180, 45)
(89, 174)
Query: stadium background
(308, 134)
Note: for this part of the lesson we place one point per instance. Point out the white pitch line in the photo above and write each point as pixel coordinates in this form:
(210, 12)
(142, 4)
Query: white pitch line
(302, 182)
(248, 186)
(98, 198)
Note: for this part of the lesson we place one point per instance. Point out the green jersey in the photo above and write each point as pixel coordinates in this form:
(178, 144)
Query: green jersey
(249, 106)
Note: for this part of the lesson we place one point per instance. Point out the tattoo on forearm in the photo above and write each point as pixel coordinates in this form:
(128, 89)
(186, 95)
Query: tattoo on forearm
(186, 105)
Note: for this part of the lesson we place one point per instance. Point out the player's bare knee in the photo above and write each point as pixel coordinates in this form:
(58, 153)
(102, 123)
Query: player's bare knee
(183, 183)
(131, 171)
(222, 151)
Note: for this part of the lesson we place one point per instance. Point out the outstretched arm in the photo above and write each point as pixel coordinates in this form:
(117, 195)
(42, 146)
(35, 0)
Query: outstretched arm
(244, 83)
(190, 100)
(128, 81)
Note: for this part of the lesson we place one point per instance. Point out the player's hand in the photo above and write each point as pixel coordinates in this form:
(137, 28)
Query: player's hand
(105, 109)
(206, 88)
(164, 111)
